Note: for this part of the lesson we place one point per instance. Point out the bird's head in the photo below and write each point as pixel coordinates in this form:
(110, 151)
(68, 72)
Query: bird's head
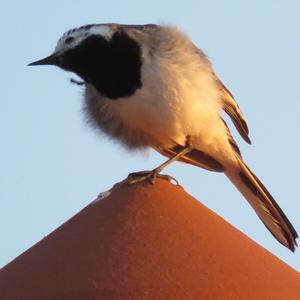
(76, 44)
(105, 55)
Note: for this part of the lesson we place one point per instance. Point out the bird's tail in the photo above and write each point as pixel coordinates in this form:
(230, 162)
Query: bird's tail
(264, 204)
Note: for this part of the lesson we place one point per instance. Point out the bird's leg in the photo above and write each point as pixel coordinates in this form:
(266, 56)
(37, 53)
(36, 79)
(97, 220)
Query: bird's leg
(184, 151)
(152, 175)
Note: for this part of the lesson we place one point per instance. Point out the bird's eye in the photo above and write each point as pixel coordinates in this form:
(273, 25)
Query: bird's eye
(69, 40)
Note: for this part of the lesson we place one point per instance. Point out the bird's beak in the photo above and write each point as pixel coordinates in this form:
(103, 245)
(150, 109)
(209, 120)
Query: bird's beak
(53, 59)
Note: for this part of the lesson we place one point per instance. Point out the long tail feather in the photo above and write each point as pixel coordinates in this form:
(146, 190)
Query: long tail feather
(264, 205)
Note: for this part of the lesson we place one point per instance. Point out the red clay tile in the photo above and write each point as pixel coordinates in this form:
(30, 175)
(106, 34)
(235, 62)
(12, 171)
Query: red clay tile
(147, 242)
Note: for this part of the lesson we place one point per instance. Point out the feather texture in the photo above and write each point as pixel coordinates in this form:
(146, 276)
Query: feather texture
(231, 107)
(150, 86)
(264, 204)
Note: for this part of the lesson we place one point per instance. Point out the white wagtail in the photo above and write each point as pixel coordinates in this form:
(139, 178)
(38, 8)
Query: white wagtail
(150, 86)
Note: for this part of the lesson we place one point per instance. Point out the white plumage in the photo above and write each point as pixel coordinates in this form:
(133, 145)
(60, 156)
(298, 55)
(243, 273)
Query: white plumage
(150, 86)
(173, 103)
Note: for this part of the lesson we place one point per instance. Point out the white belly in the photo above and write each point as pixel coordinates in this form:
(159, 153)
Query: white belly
(167, 109)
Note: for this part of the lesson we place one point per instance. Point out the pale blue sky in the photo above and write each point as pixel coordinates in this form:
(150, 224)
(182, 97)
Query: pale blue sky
(53, 164)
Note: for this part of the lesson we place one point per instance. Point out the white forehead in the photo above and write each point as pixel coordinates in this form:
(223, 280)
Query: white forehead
(81, 33)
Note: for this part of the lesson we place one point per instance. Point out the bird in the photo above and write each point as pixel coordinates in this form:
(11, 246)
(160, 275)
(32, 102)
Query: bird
(150, 86)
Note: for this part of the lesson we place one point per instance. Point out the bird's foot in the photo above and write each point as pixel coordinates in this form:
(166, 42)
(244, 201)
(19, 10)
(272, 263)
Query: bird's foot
(78, 82)
(149, 176)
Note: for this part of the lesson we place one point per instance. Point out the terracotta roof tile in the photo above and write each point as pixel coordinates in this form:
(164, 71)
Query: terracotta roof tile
(147, 242)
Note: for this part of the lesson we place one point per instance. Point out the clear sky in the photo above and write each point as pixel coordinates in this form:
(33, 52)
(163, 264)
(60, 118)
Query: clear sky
(53, 164)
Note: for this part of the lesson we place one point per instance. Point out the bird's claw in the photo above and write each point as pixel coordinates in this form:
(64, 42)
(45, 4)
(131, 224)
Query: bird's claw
(149, 176)
(78, 82)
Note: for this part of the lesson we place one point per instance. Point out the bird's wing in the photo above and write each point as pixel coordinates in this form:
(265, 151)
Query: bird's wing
(232, 109)
(194, 157)
(229, 104)
(231, 140)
